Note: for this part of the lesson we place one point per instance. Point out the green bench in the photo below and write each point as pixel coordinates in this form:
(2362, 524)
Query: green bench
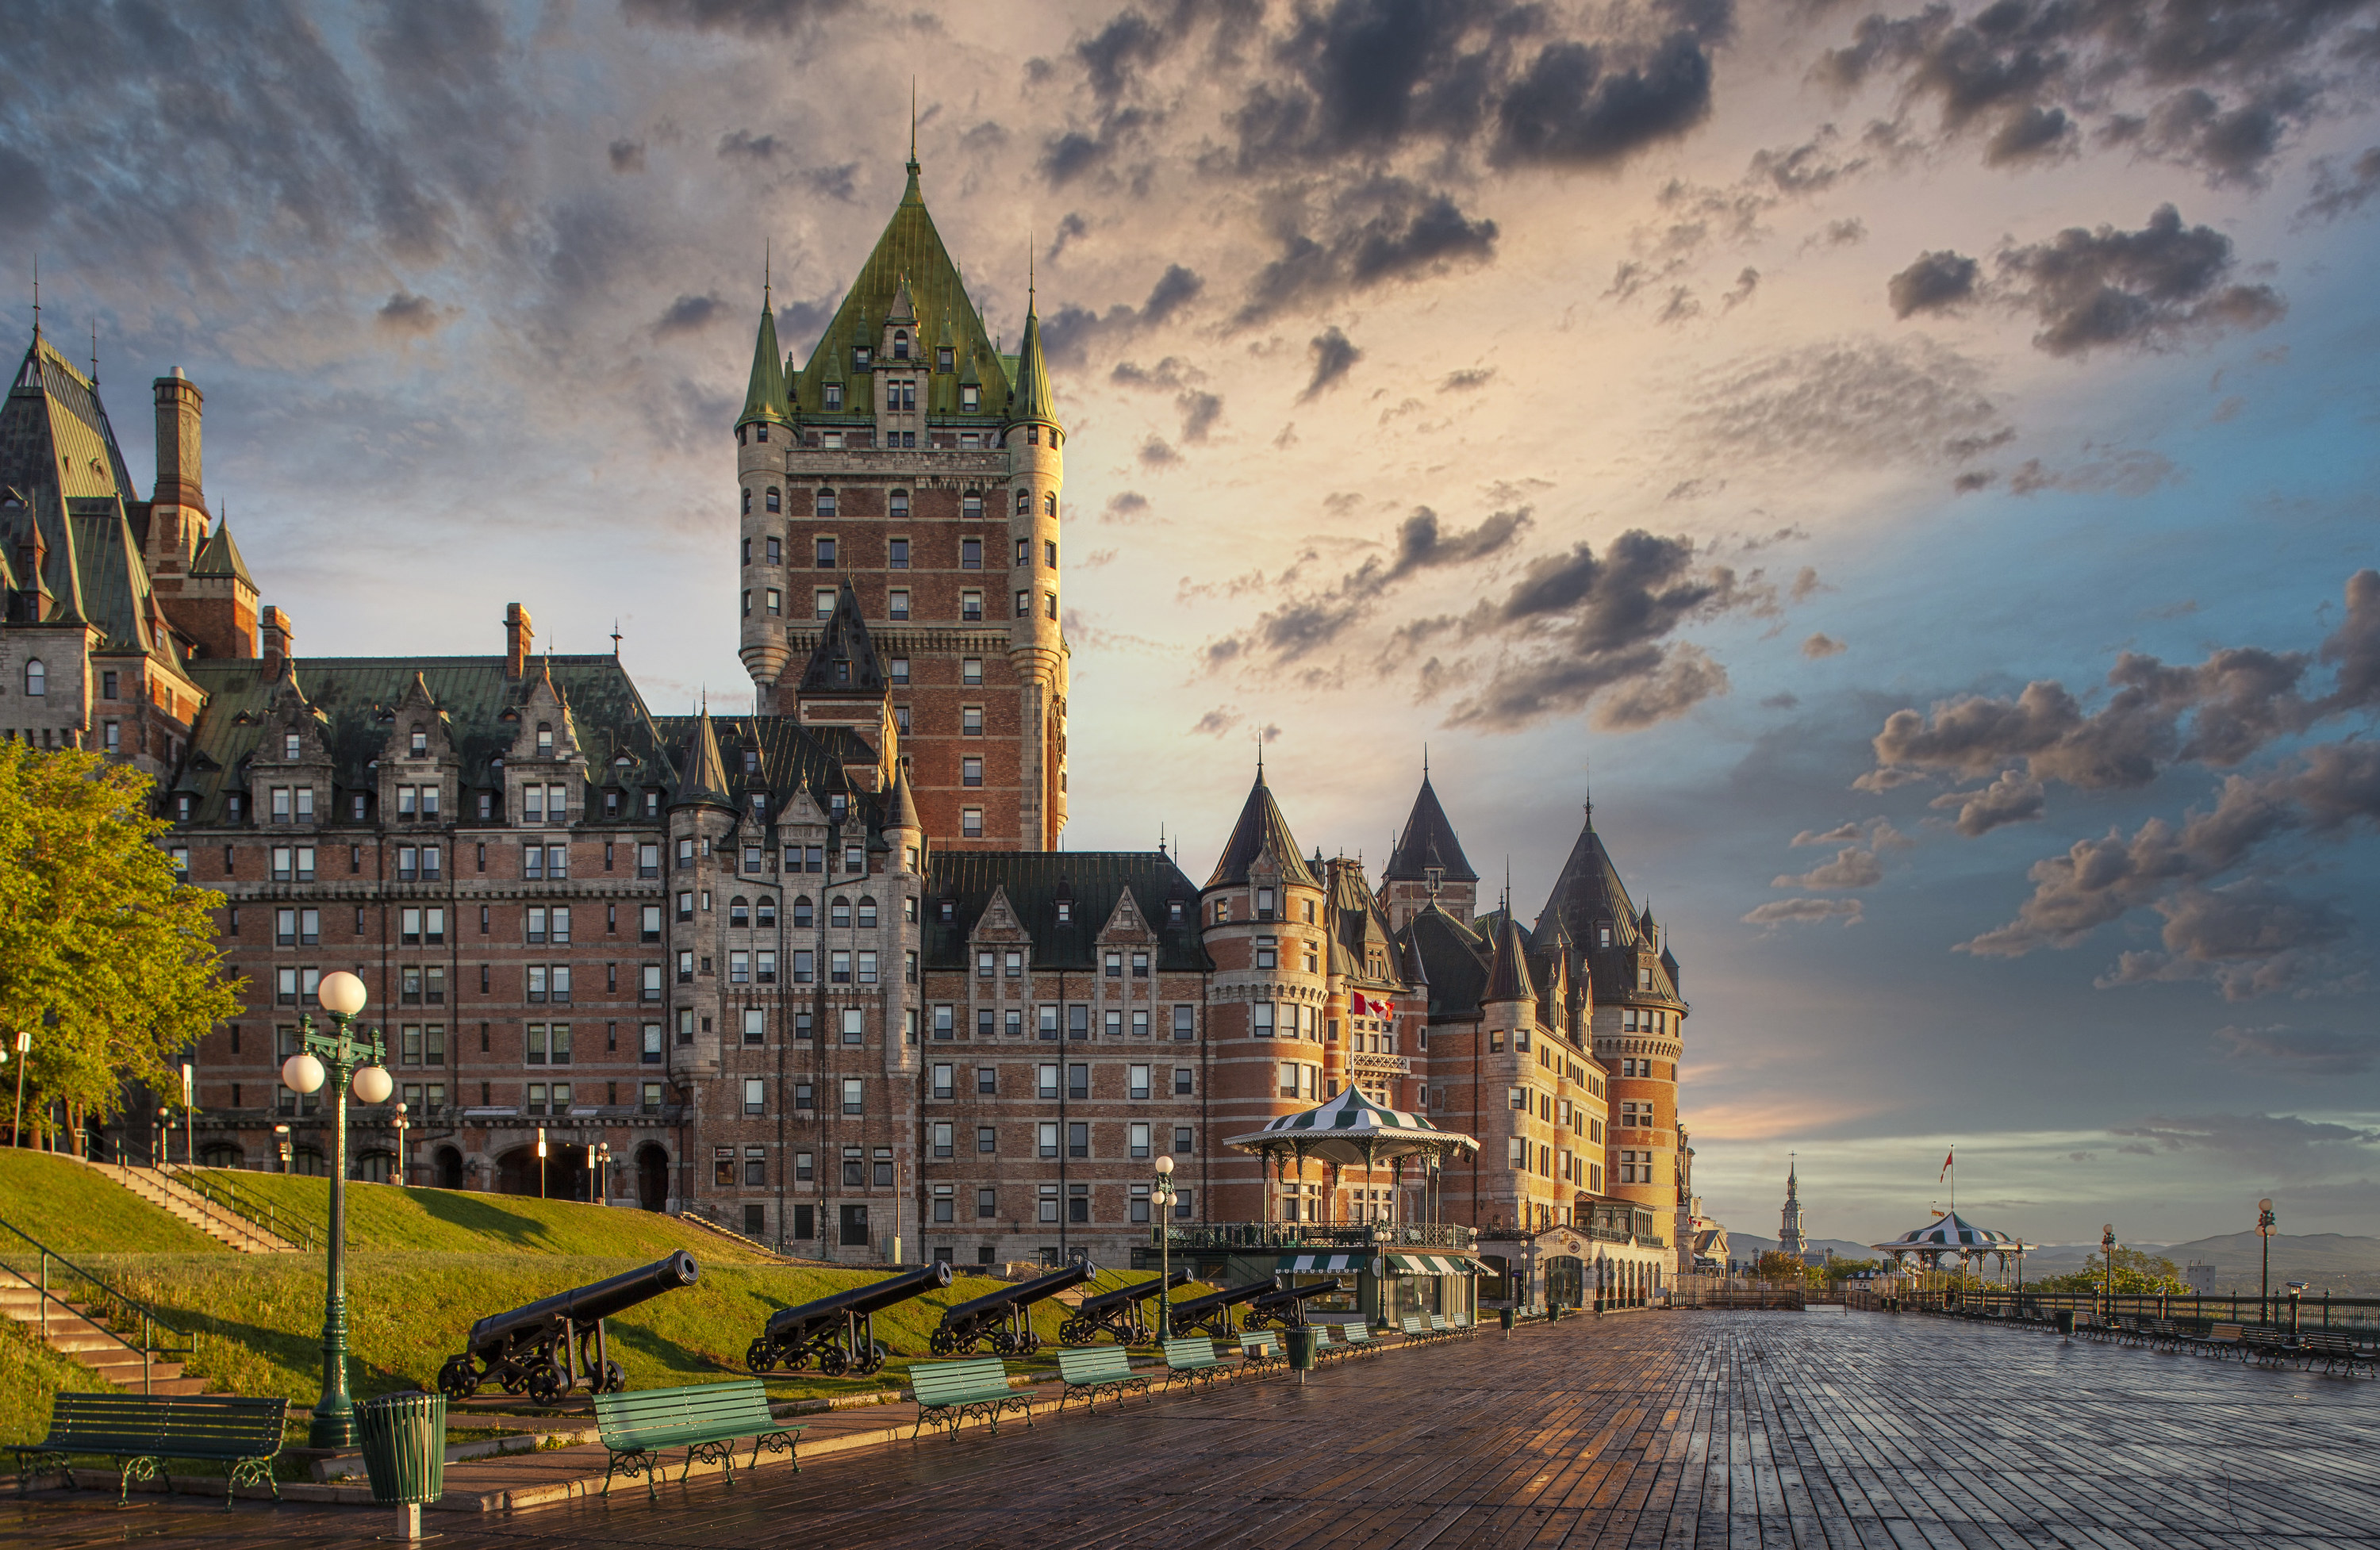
(1439, 1326)
(1329, 1342)
(1358, 1336)
(1102, 1370)
(145, 1430)
(948, 1392)
(1193, 1359)
(706, 1419)
(1416, 1329)
(1261, 1348)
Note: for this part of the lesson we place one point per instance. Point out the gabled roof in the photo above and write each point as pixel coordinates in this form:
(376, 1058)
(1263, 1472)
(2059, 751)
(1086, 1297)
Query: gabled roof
(703, 779)
(1090, 882)
(845, 661)
(1428, 842)
(1261, 829)
(910, 249)
(220, 556)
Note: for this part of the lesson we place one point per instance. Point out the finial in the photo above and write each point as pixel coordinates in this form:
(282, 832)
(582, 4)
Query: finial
(37, 296)
(1259, 753)
(768, 261)
(913, 124)
(615, 639)
(1028, 270)
(1425, 761)
(95, 351)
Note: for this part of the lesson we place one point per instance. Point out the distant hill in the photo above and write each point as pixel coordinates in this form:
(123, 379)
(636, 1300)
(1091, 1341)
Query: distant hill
(2331, 1260)
(1745, 1246)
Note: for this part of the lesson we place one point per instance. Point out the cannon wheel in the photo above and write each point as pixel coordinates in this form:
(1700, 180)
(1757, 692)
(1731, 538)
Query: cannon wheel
(943, 1343)
(1076, 1332)
(546, 1383)
(831, 1362)
(459, 1379)
(1003, 1343)
(760, 1356)
(616, 1378)
(876, 1357)
(509, 1376)
(1026, 1345)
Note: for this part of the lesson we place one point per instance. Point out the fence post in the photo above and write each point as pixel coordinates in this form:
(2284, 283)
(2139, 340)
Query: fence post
(45, 1297)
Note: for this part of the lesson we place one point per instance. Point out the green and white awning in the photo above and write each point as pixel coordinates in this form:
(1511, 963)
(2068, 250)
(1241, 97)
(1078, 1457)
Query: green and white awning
(1323, 1265)
(1428, 1264)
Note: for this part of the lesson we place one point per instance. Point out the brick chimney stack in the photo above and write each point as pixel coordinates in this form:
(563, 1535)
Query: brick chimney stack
(277, 638)
(519, 638)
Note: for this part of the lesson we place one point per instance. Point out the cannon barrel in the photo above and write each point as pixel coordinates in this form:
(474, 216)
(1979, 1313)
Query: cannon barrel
(1299, 1294)
(862, 1299)
(1196, 1306)
(1022, 1296)
(1092, 1306)
(584, 1305)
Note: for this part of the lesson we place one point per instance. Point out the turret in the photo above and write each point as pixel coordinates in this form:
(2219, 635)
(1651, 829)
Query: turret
(177, 514)
(1037, 643)
(764, 432)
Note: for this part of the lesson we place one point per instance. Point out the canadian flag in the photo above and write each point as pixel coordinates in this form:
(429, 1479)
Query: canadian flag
(1370, 1006)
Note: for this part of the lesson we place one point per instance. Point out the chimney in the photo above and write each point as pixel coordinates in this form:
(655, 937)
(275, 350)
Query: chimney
(180, 407)
(518, 636)
(278, 639)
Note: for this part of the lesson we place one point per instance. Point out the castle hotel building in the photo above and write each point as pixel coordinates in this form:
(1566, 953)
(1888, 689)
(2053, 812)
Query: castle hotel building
(820, 972)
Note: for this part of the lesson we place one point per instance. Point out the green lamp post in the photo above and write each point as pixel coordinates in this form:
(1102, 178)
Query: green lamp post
(349, 1060)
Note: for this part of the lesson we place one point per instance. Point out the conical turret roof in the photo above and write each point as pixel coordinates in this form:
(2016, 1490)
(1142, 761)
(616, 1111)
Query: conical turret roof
(765, 399)
(704, 780)
(845, 661)
(1261, 829)
(1428, 842)
(1033, 400)
(220, 556)
(901, 808)
(1508, 978)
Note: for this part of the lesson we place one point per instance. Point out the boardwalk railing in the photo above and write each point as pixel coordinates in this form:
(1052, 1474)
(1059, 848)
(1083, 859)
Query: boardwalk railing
(2354, 1315)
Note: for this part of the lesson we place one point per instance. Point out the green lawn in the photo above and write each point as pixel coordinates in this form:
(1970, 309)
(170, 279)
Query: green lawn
(77, 1212)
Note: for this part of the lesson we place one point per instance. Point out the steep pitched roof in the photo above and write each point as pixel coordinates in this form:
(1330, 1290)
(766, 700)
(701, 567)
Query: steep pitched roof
(910, 249)
(1092, 883)
(1261, 829)
(1589, 896)
(900, 806)
(1033, 400)
(220, 556)
(764, 399)
(702, 780)
(845, 660)
(1453, 958)
(1428, 842)
(1508, 978)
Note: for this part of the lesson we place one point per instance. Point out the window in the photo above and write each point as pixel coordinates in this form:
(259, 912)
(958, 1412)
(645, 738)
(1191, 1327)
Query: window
(1183, 1025)
(971, 721)
(37, 681)
(1049, 605)
(1079, 1140)
(1260, 1022)
(971, 823)
(1138, 1082)
(897, 606)
(1050, 554)
(970, 398)
(970, 554)
(853, 1026)
(971, 607)
(1183, 1077)
(822, 603)
(1023, 602)
(854, 1095)
(1048, 1080)
(824, 546)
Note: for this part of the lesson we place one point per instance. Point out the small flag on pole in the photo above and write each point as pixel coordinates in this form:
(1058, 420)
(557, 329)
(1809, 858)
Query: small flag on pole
(1946, 1165)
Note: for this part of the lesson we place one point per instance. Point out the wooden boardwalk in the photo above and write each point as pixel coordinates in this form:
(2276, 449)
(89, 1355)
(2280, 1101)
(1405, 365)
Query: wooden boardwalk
(1751, 1430)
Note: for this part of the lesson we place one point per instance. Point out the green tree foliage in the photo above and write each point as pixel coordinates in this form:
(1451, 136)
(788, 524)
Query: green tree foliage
(1836, 1271)
(1779, 1265)
(2136, 1274)
(105, 958)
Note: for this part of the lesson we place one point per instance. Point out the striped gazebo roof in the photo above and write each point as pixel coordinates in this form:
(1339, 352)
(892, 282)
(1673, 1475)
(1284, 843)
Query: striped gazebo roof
(1950, 1233)
(1351, 1129)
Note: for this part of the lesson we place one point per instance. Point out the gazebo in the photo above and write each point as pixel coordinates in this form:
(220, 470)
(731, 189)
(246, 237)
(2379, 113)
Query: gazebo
(1347, 1130)
(1949, 1233)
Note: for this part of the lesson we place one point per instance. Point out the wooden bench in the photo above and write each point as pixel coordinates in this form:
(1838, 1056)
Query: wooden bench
(145, 1430)
(2220, 1339)
(1261, 1350)
(706, 1419)
(948, 1392)
(1193, 1359)
(1104, 1370)
(2333, 1349)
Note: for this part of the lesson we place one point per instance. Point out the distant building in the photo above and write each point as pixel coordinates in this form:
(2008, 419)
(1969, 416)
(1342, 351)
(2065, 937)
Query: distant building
(1789, 1228)
(2201, 1277)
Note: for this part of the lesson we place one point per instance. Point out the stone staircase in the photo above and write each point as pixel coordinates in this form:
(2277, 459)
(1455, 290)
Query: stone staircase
(71, 1331)
(225, 1226)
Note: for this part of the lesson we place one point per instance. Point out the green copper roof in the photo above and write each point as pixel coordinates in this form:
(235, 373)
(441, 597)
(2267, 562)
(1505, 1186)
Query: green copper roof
(220, 556)
(1032, 400)
(765, 399)
(909, 251)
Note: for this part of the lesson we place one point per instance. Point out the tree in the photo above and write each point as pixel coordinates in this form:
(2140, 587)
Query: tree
(1779, 1265)
(1837, 1271)
(106, 958)
(2136, 1274)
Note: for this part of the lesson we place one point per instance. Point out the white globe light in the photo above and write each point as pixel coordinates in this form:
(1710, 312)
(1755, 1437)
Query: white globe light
(372, 1085)
(342, 994)
(1164, 1164)
(302, 1073)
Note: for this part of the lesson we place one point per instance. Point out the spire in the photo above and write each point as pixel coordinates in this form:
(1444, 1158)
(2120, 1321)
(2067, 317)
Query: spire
(704, 783)
(1033, 401)
(901, 808)
(1261, 830)
(765, 399)
(1508, 978)
(1429, 843)
(913, 128)
(220, 556)
(904, 306)
(844, 662)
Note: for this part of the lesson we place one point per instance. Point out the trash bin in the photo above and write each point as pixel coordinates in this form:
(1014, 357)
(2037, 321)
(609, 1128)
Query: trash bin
(404, 1438)
(1504, 1317)
(2065, 1323)
(1303, 1339)
(1553, 1311)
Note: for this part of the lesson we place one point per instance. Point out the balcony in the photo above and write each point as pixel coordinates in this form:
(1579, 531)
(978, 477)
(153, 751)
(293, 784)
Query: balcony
(1291, 1236)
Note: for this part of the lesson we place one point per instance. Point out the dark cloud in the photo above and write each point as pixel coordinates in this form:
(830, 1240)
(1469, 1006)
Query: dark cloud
(1821, 645)
(1215, 722)
(2148, 288)
(1573, 108)
(2282, 1145)
(2336, 191)
(1156, 453)
(1307, 624)
(1937, 283)
(752, 17)
(688, 314)
(627, 155)
(405, 313)
(1067, 334)
(1199, 413)
(1334, 356)
(2010, 799)
(2310, 1052)
(1789, 912)
(742, 145)
(2250, 938)
(1467, 379)
(1372, 233)
(1125, 506)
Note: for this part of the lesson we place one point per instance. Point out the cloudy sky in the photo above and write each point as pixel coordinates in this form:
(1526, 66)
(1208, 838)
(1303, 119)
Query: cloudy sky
(1921, 459)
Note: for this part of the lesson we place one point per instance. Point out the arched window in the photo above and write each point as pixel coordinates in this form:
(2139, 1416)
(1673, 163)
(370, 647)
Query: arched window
(867, 914)
(802, 910)
(971, 506)
(739, 911)
(825, 503)
(545, 740)
(768, 910)
(839, 913)
(37, 678)
(901, 503)
(900, 344)
(1024, 502)
(1050, 506)
(775, 502)
(747, 502)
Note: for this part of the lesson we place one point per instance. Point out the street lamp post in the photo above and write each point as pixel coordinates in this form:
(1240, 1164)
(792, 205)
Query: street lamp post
(2108, 1280)
(2266, 1221)
(16, 1125)
(281, 1146)
(602, 1152)
(1160, 1201)
(401, 1125)
(344, 1057)
(540, 1162)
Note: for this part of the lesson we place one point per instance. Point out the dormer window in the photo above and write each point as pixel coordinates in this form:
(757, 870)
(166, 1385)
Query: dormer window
(1264, 903)
(1065, 911)
(834, 396)
(861, 355)
(544, 740)
(900, 344)
(970, 398)
(417, 746)
(290, 747)
(943, 358)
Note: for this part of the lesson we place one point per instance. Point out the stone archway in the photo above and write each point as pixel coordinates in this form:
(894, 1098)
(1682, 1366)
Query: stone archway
(447, 1169)
(652, 1177)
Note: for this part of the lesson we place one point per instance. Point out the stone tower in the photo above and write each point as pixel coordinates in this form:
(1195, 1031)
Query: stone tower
(913, 465)
(1788, 1224)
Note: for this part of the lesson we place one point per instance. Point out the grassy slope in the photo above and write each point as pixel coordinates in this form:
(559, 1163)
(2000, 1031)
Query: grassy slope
(78, 1212)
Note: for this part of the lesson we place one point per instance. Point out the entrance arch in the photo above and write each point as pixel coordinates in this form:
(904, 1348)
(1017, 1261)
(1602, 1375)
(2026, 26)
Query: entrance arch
(1566, 1281)
(652, 1177)
(448, 1168)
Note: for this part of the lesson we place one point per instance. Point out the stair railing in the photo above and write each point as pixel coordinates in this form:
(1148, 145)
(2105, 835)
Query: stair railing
(110, 1305)
(211, 1185)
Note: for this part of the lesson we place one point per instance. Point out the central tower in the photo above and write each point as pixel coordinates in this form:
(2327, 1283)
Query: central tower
(913, 462)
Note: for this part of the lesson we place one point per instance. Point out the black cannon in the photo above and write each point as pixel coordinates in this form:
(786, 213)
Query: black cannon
(543, 1348)
(840, 1331)
(1286, 1308)
(970, 1324)
(1116, 1312)
(1212, 1312)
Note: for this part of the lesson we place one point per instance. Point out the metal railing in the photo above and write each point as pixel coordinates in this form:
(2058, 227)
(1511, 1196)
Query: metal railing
(2352, 1315)
(216, 1187)
(104, 1308)
(1323, 1235)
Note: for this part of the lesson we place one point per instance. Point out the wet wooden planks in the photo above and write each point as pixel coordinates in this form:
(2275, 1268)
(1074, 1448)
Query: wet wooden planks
(1849, 1431)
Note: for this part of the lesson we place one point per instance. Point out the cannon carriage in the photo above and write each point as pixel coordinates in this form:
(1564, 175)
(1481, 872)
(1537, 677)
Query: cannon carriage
(839, 1332)
(1000, 1318)
(1117, 1313)
(1212, 1315)
(1285, 1309)
(547, 1348)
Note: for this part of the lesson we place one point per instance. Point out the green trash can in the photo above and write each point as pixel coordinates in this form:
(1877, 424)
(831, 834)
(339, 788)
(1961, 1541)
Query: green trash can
(1303, 1341)
(1553, 1311)
(404, 1438)
(1504, 1317)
